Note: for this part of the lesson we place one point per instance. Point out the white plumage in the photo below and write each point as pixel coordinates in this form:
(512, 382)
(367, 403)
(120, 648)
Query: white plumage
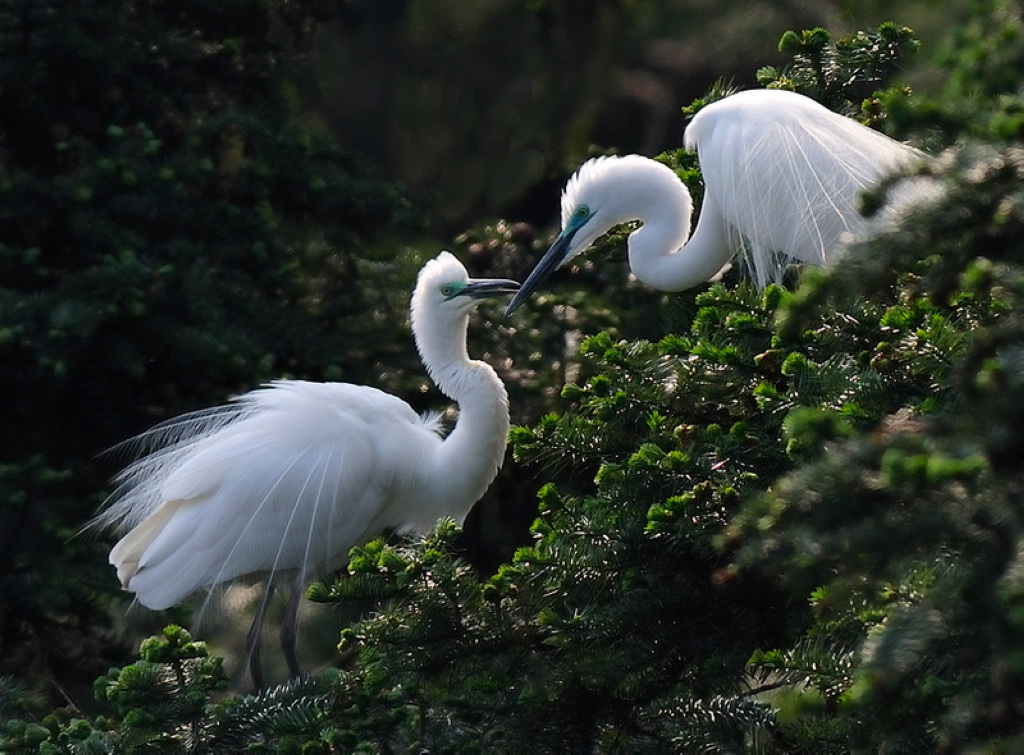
(316, 459)
(786, 173)
(782, 176)
(289, 477)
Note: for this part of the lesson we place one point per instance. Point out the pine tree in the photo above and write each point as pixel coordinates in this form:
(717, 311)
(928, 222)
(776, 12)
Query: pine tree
(170, 234)
(790, 525)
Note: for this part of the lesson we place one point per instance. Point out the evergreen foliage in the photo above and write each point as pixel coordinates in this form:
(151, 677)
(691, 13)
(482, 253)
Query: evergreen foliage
(906, 534)
(840, 73)
(790, 525)
(170, 235)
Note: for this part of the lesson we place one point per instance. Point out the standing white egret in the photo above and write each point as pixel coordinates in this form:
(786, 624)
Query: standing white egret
(289, 477)
(781, 174)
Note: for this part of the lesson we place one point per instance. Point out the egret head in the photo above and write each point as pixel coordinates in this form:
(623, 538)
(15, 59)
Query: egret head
(444, 286)
(604, 192)
(444, 297)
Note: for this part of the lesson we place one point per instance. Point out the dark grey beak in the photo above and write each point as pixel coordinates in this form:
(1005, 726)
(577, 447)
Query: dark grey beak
(547, 265)
(485, 288)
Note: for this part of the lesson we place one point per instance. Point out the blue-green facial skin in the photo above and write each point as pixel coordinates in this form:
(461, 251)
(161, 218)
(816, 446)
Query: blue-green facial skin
(553, 258)
(451, 290)
(580, 216)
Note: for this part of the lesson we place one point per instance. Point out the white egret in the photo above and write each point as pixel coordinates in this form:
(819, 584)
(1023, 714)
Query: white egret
(289, 477)
(782, 174)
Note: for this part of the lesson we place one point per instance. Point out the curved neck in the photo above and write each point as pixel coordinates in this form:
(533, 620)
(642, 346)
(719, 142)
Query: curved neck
(660, 252)
(469, 457)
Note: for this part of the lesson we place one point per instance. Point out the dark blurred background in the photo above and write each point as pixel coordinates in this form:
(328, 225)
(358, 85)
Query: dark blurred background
(478, 103)
(198, 197)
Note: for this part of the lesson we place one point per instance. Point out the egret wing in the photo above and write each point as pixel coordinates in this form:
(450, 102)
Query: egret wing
(786, 174)
(301, 473)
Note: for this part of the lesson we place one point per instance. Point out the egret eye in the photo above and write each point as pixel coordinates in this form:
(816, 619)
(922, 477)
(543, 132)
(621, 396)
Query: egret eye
(582, 211)
(450, 290)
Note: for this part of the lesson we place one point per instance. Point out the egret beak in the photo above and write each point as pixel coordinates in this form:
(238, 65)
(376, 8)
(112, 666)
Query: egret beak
(485, 288)
(551, 261)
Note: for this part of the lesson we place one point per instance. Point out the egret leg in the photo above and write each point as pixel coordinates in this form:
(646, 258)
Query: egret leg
(252, 638)
(289, 624)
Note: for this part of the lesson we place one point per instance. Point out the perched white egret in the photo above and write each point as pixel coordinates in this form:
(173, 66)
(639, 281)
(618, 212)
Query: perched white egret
(285, 480)
(782, 174)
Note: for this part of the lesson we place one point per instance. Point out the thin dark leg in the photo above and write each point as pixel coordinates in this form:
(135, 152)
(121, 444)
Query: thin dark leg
(288, 625)
(252, 638)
